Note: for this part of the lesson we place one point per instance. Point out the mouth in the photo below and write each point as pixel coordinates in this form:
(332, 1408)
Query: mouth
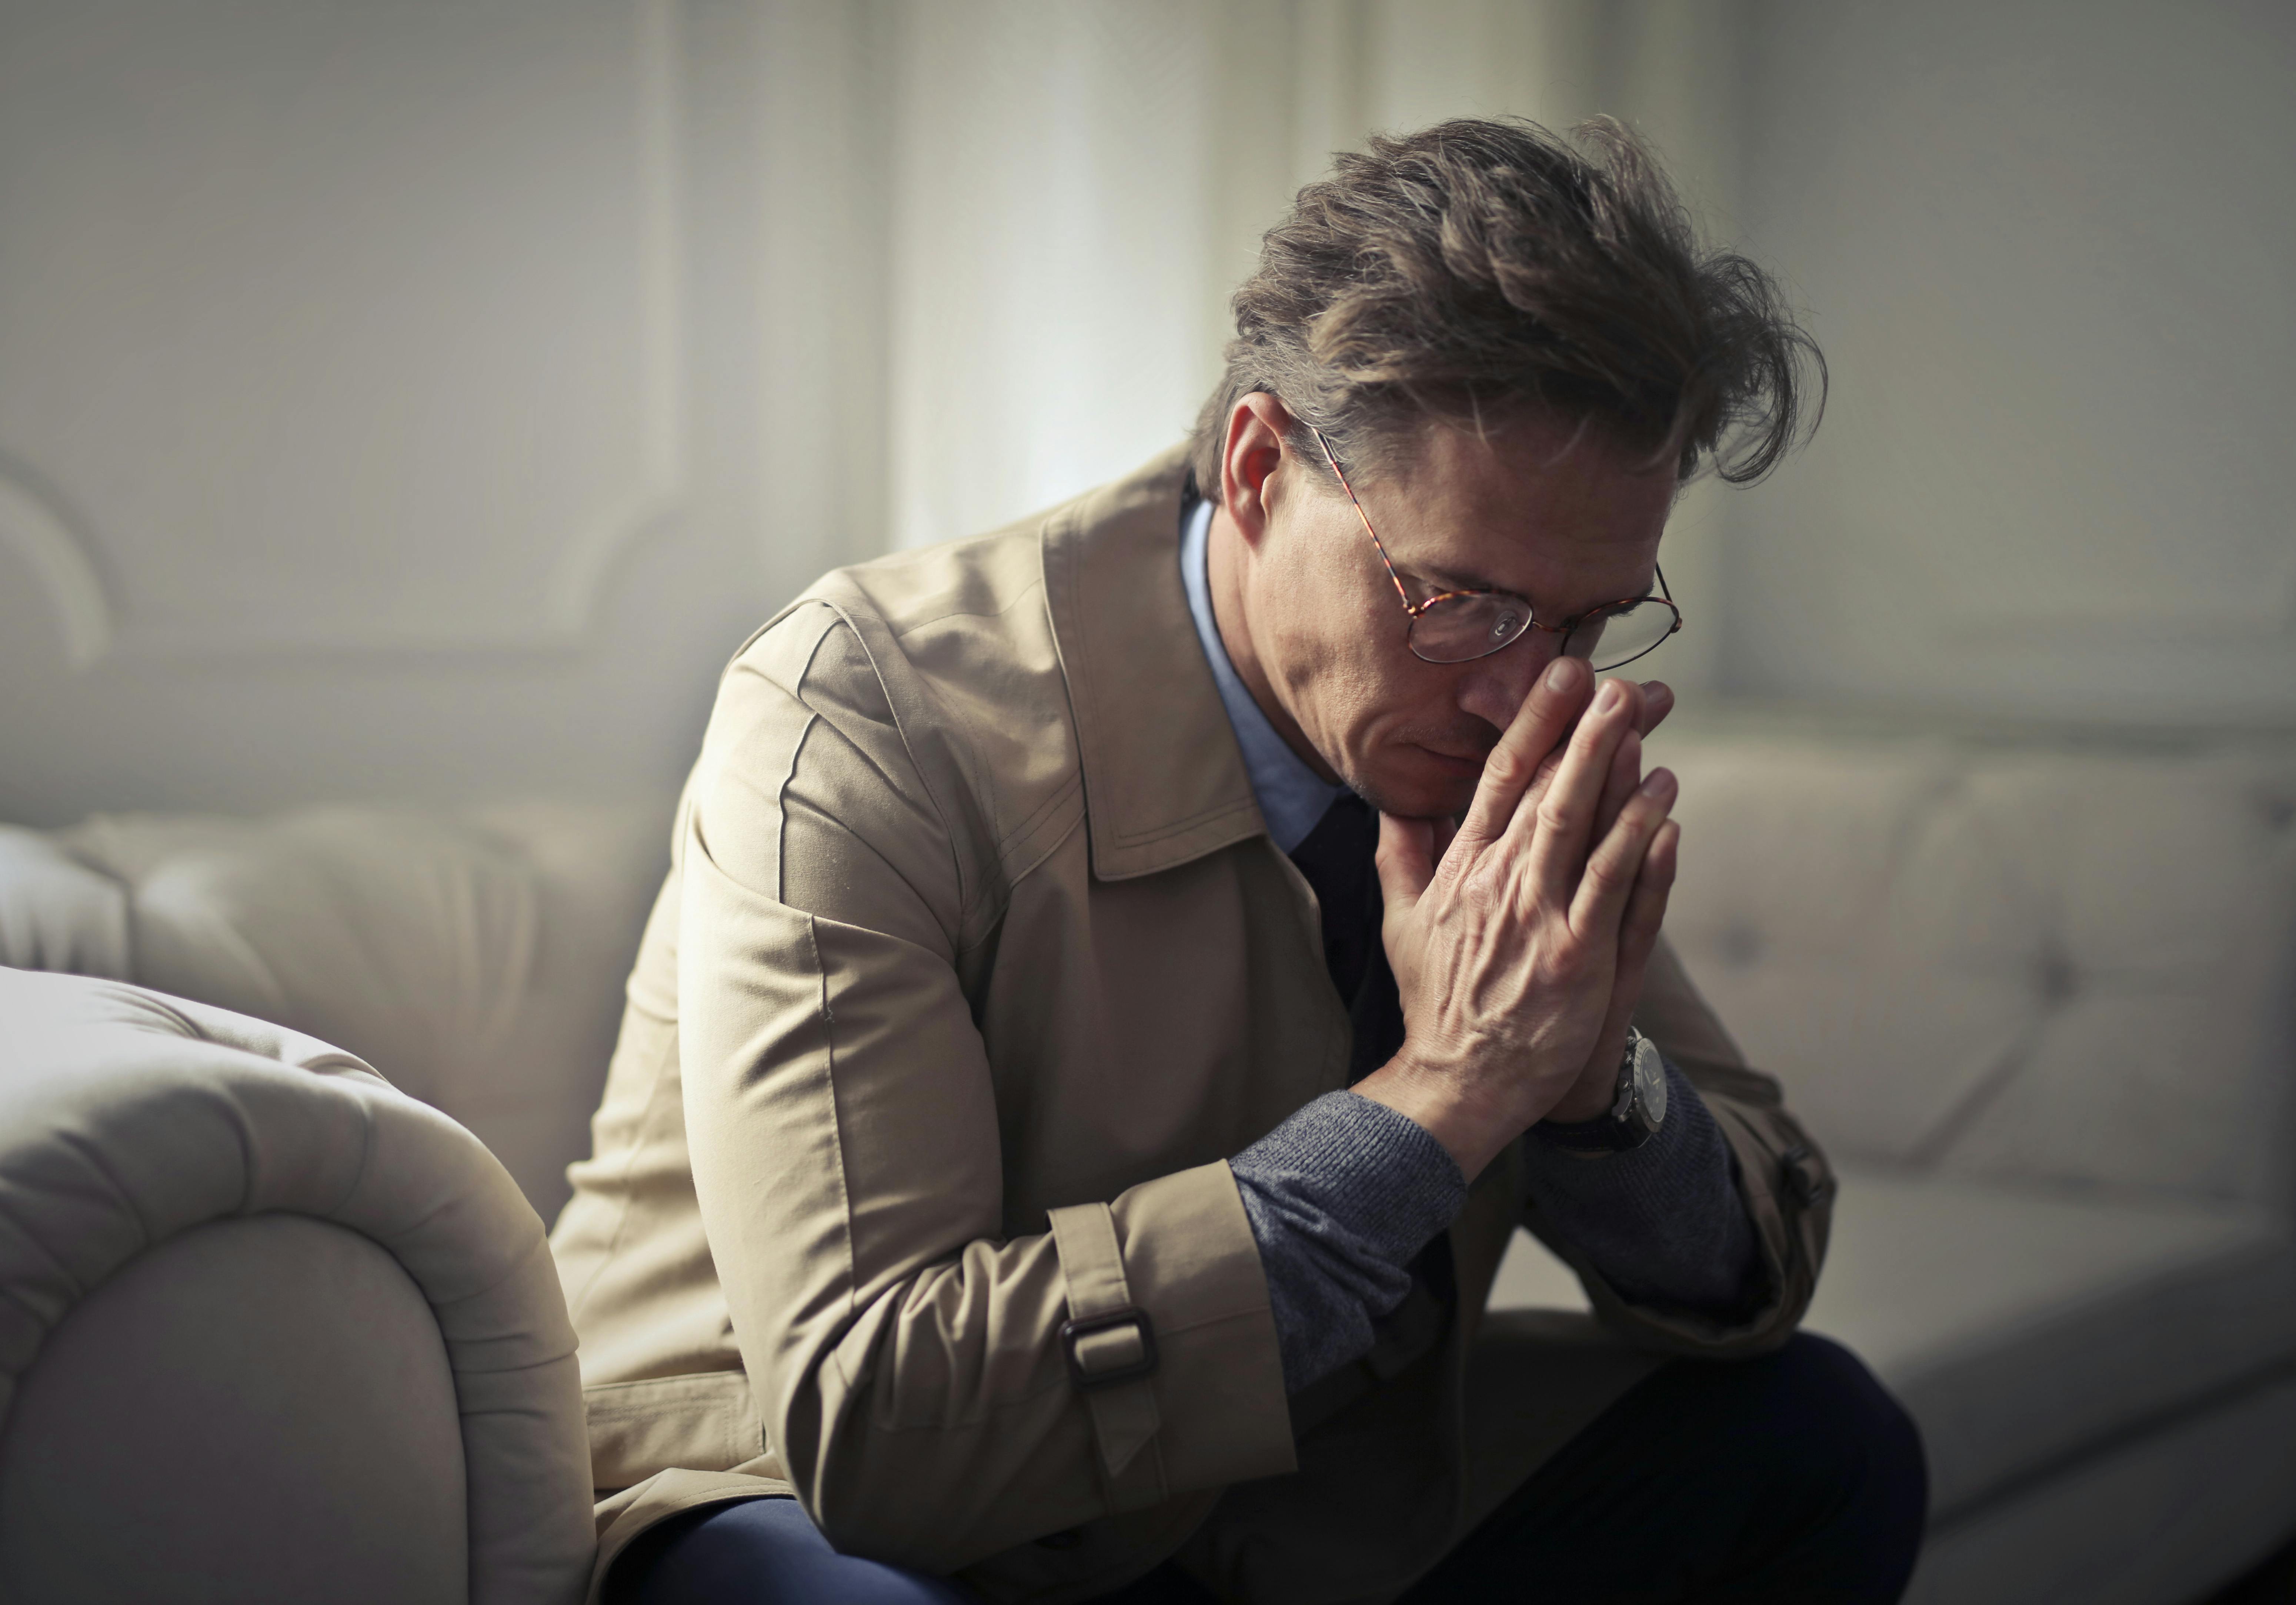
(1461, 766)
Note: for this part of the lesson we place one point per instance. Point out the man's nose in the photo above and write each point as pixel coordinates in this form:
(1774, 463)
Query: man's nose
(1493, 687)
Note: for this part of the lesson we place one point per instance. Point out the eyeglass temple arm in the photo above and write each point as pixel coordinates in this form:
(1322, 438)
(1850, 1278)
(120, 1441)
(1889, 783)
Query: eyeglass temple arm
(1393, 579)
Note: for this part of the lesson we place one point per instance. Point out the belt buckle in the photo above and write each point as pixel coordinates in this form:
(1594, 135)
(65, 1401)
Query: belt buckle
(1131, 1315)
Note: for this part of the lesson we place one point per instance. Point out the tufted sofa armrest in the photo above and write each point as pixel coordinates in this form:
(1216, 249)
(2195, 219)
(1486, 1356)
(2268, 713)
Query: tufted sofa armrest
(143, 1139)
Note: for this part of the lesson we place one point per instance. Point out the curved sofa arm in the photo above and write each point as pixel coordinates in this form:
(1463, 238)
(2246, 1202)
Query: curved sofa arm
(129, 1118)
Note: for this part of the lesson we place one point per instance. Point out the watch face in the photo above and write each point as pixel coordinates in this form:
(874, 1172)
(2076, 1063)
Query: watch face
(1650, 1081)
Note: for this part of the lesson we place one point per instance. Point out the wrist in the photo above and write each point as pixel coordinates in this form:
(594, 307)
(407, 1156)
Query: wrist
(1596, 1088)
(1590, 1097)
(1472, 1128)
(1637, 1112)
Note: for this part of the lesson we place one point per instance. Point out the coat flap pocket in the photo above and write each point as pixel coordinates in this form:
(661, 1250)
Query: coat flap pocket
(704, 1422)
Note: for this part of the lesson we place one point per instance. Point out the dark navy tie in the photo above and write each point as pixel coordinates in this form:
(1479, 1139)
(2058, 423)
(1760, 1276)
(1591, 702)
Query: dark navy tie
(1336, 858)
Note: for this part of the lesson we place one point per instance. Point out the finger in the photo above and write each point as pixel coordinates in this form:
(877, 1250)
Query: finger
(1658, 702)
(1645, 913)
(1638, 934)
(1406, 862)
(1611, 868)
(1559, 697)
(1619, 784)
(1555, 854)
(1446, 831)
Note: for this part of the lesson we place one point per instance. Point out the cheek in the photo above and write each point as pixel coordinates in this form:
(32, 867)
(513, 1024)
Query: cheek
(1331, 630)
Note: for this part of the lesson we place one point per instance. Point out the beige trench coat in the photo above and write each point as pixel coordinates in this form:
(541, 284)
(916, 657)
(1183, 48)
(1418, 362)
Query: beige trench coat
(974, 965)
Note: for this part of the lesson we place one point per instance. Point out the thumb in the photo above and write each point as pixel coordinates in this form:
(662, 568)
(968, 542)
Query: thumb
(1405, 861)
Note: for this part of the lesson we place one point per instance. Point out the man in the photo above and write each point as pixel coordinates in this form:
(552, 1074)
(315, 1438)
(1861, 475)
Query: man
(1123, 979)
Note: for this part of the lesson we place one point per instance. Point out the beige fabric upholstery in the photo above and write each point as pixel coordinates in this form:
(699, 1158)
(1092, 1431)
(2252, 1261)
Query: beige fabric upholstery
(2063, 968)
(2164, 1518)
(129, 1119)
(475, 959)
(55, 912)
(2025, 1326)
(2030, 1330)
(259, 1409)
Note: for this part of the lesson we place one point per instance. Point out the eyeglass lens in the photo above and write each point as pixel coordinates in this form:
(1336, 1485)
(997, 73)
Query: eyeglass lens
(1459, 629)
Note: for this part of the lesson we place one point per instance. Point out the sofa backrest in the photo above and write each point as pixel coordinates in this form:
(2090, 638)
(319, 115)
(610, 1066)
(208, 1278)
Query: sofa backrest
(475, 958)
(2021, 963)
(2072, 966)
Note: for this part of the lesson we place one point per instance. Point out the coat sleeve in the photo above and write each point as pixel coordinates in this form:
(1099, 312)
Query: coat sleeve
(1782, 1179)
(906, 1355)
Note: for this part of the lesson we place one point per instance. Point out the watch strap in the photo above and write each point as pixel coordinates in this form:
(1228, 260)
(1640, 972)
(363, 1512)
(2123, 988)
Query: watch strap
(1623, 1127)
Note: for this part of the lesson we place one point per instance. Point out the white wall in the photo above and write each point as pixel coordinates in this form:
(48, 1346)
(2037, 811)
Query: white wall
(421, 400)
(379, 396)
(2051, 251)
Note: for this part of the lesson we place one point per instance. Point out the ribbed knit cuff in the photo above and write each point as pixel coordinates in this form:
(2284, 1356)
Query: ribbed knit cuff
(1341, 1197)
(1662, 1222)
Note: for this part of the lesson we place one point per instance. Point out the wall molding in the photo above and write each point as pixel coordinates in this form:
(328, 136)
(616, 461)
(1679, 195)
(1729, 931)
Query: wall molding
(66, 562)
(64, 572)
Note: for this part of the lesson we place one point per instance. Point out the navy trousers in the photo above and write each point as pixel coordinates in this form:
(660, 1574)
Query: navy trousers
(1789, 1478)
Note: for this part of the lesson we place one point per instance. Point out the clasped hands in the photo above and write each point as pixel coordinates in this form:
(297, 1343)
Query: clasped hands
(1519, 938)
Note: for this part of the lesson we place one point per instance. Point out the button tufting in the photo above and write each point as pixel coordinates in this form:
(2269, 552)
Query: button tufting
(2053, 977)
(1740, 946)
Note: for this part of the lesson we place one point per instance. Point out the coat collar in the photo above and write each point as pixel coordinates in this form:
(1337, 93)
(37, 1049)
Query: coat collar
(1164, 781)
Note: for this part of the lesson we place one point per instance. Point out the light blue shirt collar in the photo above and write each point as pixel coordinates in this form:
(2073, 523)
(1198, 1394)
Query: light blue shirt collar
(1291, 797)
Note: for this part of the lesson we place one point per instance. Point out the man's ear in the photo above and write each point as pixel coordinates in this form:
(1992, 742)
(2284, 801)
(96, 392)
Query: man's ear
(1257, 426)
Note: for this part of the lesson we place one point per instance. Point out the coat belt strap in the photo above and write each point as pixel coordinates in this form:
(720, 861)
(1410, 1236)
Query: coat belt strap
(1108, 1343)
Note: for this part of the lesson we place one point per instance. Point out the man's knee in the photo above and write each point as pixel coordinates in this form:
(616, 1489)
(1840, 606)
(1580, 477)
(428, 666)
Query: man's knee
(760, 1551)
(1824, 1399)
(1829, 1425)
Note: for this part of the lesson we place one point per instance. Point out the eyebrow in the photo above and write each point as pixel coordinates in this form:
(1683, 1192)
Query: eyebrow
(1449, 579)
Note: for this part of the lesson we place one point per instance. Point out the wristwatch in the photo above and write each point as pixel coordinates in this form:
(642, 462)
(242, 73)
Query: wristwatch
(1635, 1114)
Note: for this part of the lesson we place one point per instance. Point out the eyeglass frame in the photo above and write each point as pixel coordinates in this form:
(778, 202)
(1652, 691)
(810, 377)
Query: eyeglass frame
(1415, 611)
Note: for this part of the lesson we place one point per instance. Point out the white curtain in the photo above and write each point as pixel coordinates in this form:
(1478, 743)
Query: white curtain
(1013, 225)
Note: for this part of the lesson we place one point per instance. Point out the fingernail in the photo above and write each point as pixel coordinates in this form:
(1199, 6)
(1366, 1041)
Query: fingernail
(1561, 673)
(1612, 695)
(1658, 783)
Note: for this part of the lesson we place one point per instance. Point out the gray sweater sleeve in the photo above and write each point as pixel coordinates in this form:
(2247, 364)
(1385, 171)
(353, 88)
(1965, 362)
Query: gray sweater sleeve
(1343, 1195)
(1662, 1222)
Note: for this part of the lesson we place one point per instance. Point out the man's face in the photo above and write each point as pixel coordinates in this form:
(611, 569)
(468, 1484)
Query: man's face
(1560, 515)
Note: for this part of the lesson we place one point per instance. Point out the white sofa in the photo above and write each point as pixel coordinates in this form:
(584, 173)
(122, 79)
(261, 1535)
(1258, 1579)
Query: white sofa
(2035, 996)
(270, 1330)
(2040, 1000)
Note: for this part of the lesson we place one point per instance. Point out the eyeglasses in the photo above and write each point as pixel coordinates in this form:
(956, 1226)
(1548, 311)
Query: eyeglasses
(1457, 627)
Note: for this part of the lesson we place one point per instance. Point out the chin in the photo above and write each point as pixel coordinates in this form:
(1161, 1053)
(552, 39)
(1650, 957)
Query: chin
(1419, 786)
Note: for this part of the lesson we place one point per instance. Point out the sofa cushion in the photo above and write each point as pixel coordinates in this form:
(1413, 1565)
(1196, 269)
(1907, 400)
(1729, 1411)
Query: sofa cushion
(2055, 966)
(57, 913)
(476, 959)
(1789, 851)
(404, 938)
(2027, 1327)
(2147, 910)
